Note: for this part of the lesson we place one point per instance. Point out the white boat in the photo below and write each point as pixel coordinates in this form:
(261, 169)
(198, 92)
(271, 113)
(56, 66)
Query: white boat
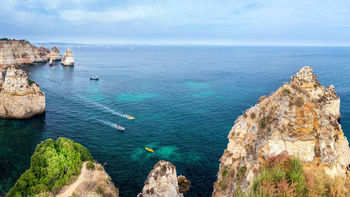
(119, 127)
(95, 78)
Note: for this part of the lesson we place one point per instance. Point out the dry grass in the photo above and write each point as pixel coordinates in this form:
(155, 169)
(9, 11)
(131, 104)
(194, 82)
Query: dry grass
(285, 176)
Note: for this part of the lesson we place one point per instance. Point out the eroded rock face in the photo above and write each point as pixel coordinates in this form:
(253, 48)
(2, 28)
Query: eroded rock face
(300, 118)
(91, 182)
(18, 52)
(161, 181)
(68, 59)
(20, 98)
(55, 54)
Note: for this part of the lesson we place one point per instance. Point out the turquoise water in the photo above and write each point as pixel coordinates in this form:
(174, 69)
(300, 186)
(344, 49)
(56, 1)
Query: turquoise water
(185, 100)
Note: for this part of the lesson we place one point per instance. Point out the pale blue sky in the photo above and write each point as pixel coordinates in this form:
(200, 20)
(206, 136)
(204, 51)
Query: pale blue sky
(223, 22)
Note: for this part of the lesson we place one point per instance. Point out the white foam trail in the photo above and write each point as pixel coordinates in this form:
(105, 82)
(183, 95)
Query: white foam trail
(105, 108)
(107, 123)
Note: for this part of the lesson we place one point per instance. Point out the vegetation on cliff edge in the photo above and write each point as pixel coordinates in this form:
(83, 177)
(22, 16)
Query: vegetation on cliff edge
(283, 175)
(53, 164)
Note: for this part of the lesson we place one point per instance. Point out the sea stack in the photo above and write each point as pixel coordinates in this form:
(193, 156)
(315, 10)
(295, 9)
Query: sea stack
(20, 98)
(68, 59)
(162, 181)
(298, 122)
(19, 52)
(51, 62)
(55, 54)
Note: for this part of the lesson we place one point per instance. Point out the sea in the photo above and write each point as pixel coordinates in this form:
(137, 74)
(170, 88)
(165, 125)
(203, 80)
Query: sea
(185, 100)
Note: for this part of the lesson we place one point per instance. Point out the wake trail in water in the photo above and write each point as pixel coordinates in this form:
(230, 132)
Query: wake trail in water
(110, 124)
(106, 109)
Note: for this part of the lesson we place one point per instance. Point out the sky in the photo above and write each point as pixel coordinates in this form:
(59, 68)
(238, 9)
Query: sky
(207, 22)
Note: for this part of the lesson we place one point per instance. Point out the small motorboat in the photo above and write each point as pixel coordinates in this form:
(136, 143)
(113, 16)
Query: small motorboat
(130, 117)
(149, 149)
(95, 78)
(119, 127)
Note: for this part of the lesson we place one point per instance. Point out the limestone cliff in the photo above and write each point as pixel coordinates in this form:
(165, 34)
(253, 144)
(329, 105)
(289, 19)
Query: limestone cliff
(63, 168)
(18, 52)
(55, 54)
(19, 97)
(299, 119)
(92, 181)
(68, 59)
(162, 181)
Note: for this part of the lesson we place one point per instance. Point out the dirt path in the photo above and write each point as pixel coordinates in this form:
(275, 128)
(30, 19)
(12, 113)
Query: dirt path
(68, 190)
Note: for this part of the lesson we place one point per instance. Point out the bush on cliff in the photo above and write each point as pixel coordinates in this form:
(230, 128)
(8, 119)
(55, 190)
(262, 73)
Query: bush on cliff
(53, 164)
(283, 175)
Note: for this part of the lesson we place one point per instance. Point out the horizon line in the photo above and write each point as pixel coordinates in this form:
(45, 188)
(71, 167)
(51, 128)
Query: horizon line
(197, 44)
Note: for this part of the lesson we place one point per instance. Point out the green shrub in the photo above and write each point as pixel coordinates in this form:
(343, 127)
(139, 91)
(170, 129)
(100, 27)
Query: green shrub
(4, 39)
(262, 123)
(286, 90)
(90, 165)
(53, 164)
(30, 82)
(241, 172)
(224, 171)
(100, 190)
(281, 176)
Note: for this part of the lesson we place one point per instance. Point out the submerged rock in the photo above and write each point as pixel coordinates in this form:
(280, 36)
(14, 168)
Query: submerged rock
(68, 59)
(162, 181)
(299, 119)
(20, 97)
(55, 54)
(18, 52)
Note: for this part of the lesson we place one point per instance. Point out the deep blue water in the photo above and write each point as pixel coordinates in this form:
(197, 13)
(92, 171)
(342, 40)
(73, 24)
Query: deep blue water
(185, 100)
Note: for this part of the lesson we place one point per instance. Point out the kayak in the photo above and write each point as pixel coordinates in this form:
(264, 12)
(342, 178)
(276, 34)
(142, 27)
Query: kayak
(149, 149)
(130, 117)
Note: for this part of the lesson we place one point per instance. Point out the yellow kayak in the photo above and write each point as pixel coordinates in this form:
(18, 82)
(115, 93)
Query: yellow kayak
(130, 117)
(149, 149)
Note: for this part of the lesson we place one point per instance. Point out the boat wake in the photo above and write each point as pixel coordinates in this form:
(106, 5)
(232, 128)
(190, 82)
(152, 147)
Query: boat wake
(106, 109)
(110, 124)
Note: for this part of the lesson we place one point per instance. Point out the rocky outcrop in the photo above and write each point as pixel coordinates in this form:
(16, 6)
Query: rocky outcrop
(19, 52)
(299, 119)
(19, 97)
(68, 59)
(92, 181)
(162, 181)
(55, 54)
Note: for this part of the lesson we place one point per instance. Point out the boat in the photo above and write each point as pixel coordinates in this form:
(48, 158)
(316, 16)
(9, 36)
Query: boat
(130, 117)
(119, 127)
(95, 78)
(149, 149)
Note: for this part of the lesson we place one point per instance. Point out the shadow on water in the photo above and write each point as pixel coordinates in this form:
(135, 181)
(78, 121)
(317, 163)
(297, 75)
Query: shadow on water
(18, 139)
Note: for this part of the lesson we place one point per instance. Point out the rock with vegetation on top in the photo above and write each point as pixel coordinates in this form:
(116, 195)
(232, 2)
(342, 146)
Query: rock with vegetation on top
(162, 181)
(300, 122)
(19, 52)
(92, 181)
(20, 97)
(68, 59)
(56, 164)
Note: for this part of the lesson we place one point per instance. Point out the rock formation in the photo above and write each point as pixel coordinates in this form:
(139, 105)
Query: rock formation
(92, 181)
(68, 59)
(162, 181)
(55, 54)
(18, 52)
(299, 119)
(19, 97)
(63, 168)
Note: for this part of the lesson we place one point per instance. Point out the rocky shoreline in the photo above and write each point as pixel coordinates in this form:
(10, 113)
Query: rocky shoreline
(289, 144)
(21, 98)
